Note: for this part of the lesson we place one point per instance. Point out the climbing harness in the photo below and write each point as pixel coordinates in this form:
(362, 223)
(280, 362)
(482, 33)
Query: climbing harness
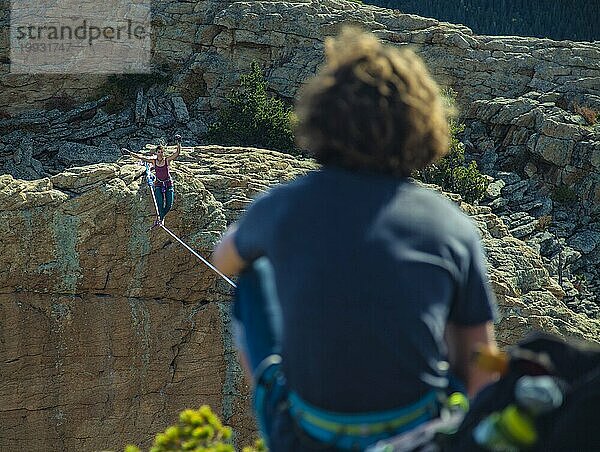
(163, 184)
(150, 180)
(357, 431)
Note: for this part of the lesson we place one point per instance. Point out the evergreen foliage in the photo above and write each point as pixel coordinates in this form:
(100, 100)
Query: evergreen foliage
(197, 431)
(453, 174)
(563, 194)
(575, 20)
(252, 117)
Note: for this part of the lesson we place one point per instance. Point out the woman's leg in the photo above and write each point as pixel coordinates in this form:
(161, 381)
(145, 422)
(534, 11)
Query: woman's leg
(169, 197)
(160, 201)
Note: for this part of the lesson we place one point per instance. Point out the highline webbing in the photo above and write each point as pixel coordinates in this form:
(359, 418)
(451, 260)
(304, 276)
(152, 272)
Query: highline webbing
(150, 180)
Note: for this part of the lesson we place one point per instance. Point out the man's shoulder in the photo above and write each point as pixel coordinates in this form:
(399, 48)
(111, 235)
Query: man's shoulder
(446, 215)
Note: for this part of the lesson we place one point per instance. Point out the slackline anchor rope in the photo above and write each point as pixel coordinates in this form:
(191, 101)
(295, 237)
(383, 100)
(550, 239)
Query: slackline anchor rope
(150, 181)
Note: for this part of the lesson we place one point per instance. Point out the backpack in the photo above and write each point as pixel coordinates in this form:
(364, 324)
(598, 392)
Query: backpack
(572, 426)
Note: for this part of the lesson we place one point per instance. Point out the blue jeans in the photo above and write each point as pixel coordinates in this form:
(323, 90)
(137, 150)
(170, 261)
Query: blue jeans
(164, 200)
(257, 317)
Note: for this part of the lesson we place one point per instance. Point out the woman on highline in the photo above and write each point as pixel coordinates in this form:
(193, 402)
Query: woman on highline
(164, 192)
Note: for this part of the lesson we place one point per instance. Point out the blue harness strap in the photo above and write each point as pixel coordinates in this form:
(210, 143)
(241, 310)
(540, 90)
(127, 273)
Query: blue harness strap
(267, 376)
(357, 431)
(165, 185)
(341, 431)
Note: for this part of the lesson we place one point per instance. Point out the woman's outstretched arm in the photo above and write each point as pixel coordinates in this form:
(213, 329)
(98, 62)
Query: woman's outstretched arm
(177, 150)
(138, 156)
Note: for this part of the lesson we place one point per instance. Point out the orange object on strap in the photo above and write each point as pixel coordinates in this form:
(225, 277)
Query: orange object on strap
(492, 360)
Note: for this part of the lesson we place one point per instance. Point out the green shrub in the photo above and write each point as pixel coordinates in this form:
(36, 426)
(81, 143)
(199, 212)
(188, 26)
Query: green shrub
(252, 117)
(197, 431)
(563, 194)
(452, 173)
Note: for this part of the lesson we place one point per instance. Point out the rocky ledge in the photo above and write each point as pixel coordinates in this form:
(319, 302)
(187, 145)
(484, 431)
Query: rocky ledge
(108, 330)
(544, 160)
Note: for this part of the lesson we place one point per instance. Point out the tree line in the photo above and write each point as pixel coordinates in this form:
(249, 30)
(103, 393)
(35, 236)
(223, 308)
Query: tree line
(575, 20)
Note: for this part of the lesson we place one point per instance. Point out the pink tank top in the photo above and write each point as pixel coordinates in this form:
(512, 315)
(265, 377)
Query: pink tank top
(162, 172)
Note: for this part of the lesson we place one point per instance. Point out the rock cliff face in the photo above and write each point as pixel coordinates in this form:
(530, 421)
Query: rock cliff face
(285, 35)
(551, 145)
(519, 97)
(107, 331)
(545, 160)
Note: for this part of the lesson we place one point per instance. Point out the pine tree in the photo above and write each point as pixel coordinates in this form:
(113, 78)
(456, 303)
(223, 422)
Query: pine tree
(574, 20)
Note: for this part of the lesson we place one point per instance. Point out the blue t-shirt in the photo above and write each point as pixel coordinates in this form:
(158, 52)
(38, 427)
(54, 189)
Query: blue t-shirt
(369, 269)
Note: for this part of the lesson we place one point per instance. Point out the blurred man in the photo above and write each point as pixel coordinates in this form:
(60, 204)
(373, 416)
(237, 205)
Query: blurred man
(373, 287)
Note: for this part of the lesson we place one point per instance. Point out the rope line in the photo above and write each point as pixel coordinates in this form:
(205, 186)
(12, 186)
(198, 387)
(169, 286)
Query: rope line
(149, 179)
(211, 266)
(207, 263)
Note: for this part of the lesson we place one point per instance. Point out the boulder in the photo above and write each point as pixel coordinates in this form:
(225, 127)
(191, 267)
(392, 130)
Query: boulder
(162, 121)
(197, 127)
(180, 109)
(69, 153)
(141, 106)
(586, 241)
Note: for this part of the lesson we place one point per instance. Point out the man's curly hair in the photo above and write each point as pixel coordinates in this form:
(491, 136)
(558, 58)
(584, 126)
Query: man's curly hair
(372, 107)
